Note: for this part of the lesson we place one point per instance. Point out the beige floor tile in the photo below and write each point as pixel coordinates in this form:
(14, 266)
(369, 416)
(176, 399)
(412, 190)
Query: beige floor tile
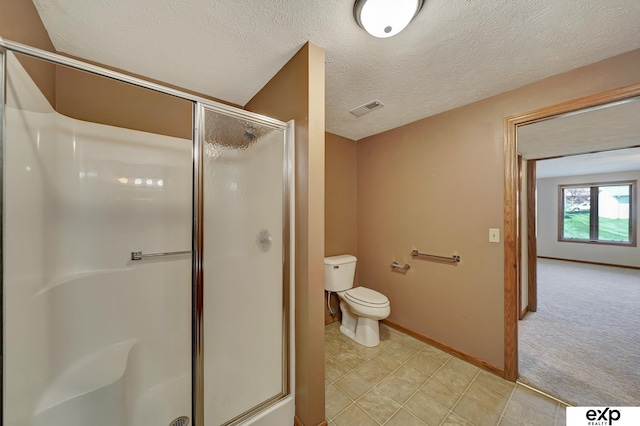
(353, 385)
(354, 416)
(367, 352)
(404, 418)
(426, 409)
(455, 420)
(335, 346)
(411, 375)
(441, 393)
(537, 401)
(387, 360)
(373, 370)
(561, 416)
(346, 340)
(489, 398)
(506, 422)
(401, 350)
(462, 367)
(378, 405)
(390, 334)
(396, 389)
(334, 369)
(335, 401)
(350, 358)
(496, 383)
(424, 362)
(524, 415)
(436, 354)
(475, 413)
(414, 343)
(453, 378)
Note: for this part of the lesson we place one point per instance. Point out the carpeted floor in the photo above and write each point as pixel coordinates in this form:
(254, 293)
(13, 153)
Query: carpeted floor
(583, 344)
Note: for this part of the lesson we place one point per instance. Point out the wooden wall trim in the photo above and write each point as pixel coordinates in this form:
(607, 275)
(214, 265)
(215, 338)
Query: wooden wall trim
(590, 263)
(446, 348)
(524, 312)
(510, 206)
(520, 231)
(511, 260)
(532, 243)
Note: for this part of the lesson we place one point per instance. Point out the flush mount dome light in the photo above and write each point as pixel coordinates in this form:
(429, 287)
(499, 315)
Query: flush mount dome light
(385, 18)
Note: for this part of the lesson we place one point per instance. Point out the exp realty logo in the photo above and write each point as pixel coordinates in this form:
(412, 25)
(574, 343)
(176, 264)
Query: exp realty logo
(603, 416)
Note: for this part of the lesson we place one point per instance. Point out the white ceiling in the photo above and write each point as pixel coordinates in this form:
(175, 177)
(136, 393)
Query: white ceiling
(454, 52)
(591, 141)
(622, 160)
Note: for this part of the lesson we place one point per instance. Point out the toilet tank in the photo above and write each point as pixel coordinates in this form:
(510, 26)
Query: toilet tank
(339, 272)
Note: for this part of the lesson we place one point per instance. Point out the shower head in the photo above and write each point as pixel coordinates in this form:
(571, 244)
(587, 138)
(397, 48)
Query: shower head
(249, 133)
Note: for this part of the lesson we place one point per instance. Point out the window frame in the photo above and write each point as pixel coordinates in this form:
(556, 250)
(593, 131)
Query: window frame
(594, 218)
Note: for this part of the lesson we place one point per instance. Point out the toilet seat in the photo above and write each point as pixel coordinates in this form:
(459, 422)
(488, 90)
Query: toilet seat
(366, 297)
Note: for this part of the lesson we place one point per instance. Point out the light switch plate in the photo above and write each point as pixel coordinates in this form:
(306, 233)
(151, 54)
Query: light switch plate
(494, 235)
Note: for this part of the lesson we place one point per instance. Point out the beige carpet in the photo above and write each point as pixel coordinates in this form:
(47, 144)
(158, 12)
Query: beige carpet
(583, 343)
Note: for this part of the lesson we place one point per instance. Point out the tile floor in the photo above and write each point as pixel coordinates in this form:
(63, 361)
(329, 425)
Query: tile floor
(405, 382)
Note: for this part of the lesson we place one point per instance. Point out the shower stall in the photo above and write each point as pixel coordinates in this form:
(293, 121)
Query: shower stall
(146, 263)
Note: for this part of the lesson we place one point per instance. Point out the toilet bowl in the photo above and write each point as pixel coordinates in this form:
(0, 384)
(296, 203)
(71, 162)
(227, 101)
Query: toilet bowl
(361, 307)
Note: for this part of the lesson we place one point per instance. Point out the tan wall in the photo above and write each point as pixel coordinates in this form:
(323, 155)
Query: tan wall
(437, 185)
(297, 92)
(20, 22)
(341, 202)
(102, 100)
(341, 193)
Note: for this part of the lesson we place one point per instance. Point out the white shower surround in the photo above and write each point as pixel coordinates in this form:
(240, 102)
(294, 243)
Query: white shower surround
(90, 337)
(85, 325)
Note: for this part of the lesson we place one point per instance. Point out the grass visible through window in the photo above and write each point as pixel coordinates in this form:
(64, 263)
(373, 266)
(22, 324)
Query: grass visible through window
(576, 226)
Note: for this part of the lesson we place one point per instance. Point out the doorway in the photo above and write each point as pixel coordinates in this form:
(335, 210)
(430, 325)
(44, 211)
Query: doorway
(586, 299)
(513, 216)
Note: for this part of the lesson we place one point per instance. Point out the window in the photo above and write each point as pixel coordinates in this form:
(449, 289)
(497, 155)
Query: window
(598, 213)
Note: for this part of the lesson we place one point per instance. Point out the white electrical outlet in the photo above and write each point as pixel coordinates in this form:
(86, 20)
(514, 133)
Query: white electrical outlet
(494, 235)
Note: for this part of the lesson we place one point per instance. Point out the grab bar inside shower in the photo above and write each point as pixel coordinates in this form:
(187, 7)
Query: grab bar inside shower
(453, 259)
(138, 255)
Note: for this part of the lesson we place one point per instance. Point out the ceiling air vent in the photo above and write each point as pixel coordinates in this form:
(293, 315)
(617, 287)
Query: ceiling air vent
(362, 110)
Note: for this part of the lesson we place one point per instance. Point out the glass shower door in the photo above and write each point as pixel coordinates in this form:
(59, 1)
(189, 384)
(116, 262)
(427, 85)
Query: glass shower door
(245, 267)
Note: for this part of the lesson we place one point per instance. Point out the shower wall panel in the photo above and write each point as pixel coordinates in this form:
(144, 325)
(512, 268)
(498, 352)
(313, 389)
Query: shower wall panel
(92, 337)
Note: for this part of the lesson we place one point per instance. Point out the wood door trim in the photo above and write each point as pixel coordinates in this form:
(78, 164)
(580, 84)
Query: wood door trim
(519, 245)
(532, 243)
(511, 262)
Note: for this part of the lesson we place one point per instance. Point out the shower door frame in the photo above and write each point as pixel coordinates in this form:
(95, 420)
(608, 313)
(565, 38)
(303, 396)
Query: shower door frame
(200, 110)
(199, 104)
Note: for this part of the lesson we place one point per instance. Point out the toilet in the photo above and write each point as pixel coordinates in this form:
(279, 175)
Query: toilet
(361, 307)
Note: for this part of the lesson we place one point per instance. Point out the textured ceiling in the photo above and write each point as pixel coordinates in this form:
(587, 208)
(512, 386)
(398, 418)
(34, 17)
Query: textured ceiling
(454, 52)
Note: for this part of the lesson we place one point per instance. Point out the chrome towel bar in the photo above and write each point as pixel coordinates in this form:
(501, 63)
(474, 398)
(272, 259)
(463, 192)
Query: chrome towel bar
(138, 255)
(399, 266)
(453, 259)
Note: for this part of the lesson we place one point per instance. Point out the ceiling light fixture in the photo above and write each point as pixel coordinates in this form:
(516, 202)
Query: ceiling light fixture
(385, 18)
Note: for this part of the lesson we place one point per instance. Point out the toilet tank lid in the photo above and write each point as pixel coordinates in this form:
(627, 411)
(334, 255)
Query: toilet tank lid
(340, 259)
